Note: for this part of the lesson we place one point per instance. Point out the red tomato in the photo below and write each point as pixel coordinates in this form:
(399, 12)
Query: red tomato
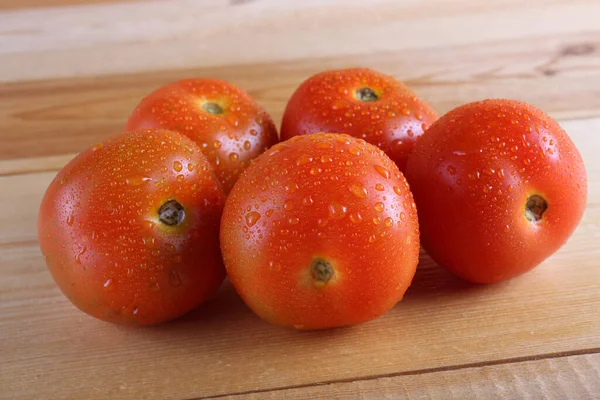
(362, 103)
(227, 124)
(129, 228)
(499, 187)
(320, 231)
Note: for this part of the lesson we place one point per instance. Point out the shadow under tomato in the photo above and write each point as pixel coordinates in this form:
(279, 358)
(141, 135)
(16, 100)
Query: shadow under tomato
(432, 281)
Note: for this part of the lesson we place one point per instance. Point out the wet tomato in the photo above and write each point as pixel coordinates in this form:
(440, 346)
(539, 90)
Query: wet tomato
(227, 124)
(362, 103)
(129, 228)
(499, 187)
(320, 231)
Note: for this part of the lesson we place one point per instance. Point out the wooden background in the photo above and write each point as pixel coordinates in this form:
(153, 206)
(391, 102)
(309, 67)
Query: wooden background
(72, 70)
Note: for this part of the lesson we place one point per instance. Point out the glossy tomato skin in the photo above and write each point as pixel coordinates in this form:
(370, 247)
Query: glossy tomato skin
(230, 139)
(472, 174)
(327, 102)
(104, 243)
(322, 197)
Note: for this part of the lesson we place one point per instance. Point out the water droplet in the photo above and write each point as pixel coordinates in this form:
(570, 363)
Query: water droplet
(307, 201)
(234, 157)
(288, 205)
(217, 144)
(410, 133)
(402, 217)
(372, 238)
(388, 222)
(337, 210)
(379, 206)
(269, 212)
(303, 159)
(358, 190)
(291, 188)
(355, 151)
(154, 286)
(247, 145)
(379, 187)
(382, 171)
(252, 218)
(356, 217)
(326, 159)
(70, 220)
(174, 278)
(108, 285)
(376, 220)
(315, 171)
(177, 166)
(293, 220)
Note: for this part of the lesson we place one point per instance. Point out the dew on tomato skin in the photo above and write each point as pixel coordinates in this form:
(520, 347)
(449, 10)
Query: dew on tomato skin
(358, 190)
(177, 166)
(356, 217)
(402, 217)
(175, 278)
(381, 188)
(252, 218)
(108, 284)
(379, 206)
(293, 220)
(384, 172)
(307, 201)
(376, 220)
(288, 205)
(303, 159)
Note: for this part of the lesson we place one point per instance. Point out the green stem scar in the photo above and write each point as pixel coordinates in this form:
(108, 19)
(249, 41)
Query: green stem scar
(535, 207)
(366, 94)
(212, 108)
(321, 271)
(171, 213)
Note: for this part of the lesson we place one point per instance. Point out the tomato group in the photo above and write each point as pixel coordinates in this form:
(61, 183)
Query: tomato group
(320, 231)
(130, 228)
(499, 187)
(227, 124)
(362, 103)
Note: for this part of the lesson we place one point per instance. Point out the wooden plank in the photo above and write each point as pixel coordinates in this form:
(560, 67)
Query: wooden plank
(560, 74)
(571, 377)
(92, 40)
(19, 4)
(49, 349)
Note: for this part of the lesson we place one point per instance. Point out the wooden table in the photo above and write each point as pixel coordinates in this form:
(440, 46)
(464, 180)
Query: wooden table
(71, 72)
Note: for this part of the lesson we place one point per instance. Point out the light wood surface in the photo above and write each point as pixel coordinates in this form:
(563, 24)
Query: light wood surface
(70, 73)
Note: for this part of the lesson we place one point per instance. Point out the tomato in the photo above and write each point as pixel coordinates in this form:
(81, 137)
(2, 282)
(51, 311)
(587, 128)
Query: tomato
(129, 228)
(499, 187)
(362, 103)
(320, 231)
(227, 124)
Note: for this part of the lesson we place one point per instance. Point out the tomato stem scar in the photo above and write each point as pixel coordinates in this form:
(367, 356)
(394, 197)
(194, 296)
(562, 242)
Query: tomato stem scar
(171, 213)
(366, 94)
(535, 207)
(321, 270)
(212, 108)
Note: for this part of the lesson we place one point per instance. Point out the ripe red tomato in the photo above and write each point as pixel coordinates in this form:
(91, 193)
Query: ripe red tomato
(362, 103)
(320, 231)
(499, 187)
(227, 124)
(129, 228)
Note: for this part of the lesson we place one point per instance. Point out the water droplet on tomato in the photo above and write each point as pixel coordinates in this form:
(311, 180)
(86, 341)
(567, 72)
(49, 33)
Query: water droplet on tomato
(174, 278)
(379, 206)
(252, 218)
(382, 171)
(358, 190)
(337, 210)
(303, 159)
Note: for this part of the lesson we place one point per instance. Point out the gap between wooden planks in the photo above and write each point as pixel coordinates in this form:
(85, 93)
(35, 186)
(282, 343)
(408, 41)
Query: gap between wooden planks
(442, 324)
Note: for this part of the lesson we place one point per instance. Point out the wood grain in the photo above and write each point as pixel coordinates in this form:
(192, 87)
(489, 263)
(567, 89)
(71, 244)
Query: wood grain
(72, 71)
(561, 75)
(573, 377)
(222, 348)
(92, 40)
